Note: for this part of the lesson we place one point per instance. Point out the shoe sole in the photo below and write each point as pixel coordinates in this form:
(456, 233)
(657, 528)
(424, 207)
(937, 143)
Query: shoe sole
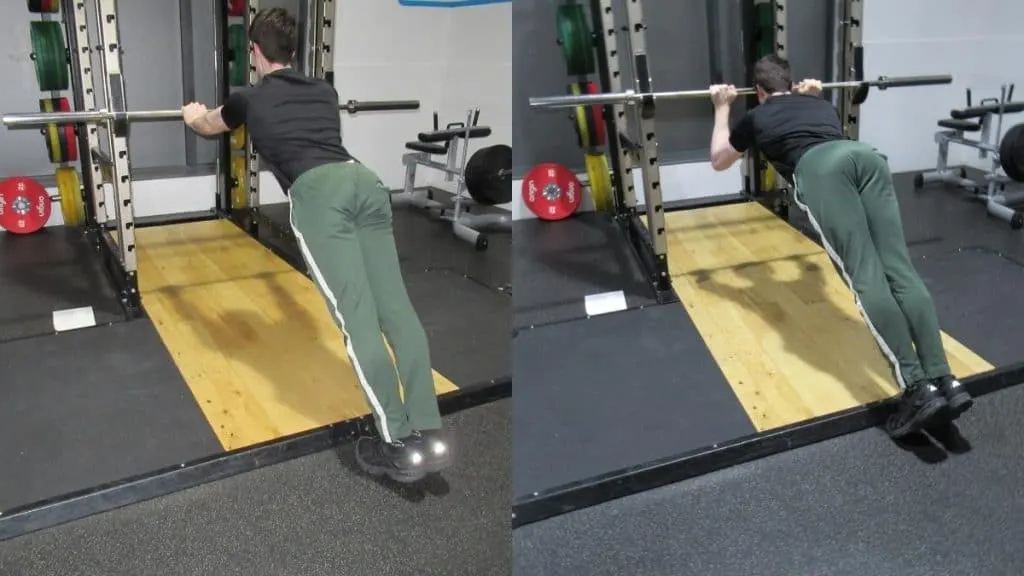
(401, 476)
(959, 404)
(923, 417)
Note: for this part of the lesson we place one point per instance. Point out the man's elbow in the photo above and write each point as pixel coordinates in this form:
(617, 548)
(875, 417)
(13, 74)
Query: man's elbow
(720, 162)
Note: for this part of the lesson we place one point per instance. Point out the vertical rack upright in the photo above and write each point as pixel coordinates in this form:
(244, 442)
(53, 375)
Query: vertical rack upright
(851, 63)
(644, 152)
(117, 138)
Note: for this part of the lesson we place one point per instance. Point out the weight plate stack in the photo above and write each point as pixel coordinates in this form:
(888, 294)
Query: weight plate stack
(579, 49)
(50, 55)
(72, 207)
(576, 40)
(588, 120)
(238, 58)
(61, 144)
(44, 6)
(600, 180)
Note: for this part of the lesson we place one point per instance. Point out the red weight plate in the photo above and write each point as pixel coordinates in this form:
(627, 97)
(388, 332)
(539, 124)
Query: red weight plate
(236, 7)
(551, 191)
(70, 139)
(24, 205)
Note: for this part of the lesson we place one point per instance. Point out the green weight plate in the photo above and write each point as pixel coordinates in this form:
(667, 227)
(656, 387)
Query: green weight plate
(50, 55)
(576, 40)
(238, 59)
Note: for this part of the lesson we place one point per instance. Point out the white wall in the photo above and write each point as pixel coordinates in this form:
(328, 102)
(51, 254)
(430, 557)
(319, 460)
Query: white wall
(447, 58)
(978, 42)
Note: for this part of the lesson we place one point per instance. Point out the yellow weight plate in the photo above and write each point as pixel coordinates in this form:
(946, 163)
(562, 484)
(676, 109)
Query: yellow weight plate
(768, 177)
(600, 180)
(238, 138)
(51, 133)
(69, 187)
(239, 189)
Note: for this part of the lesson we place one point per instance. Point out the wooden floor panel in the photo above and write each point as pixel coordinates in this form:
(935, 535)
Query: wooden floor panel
(251, 336)
(777, 318)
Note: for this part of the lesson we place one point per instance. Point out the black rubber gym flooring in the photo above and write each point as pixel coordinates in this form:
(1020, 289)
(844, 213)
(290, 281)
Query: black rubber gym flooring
(557, 266)
(639, 385)
(97, 405)
(92, 406)
(855, 505)
(307, 517)
(54, 269)
(608, 393)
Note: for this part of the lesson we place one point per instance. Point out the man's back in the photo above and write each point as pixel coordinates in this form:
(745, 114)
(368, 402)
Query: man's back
(786, 126)
(295, 124)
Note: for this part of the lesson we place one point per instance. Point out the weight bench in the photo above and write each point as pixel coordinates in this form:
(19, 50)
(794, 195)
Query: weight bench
(482, 181)
(985, 117)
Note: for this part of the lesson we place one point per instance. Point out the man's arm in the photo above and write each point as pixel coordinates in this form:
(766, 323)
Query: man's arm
(219, 120)
(210, 124)
(723, 154)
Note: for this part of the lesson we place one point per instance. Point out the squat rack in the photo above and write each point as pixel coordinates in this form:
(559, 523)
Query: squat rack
(104, 124)
(616, 43)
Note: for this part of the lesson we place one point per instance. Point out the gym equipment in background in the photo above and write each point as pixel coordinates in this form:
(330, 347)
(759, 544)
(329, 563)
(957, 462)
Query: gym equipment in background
(61, 140)
(551, 191)
(588, 120)
(1007, 158)
(576, 40)
(238, 55)
(44, 6)
(24, 205)
(486, 177)
(49, 55)
(578, 47)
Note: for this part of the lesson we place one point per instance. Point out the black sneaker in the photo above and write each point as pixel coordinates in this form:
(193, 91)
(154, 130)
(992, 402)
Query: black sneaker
(436, 448)
(956, 394)
(401, 461)
(918, 406)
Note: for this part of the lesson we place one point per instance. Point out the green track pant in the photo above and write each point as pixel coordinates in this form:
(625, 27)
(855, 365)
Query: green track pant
(846, 189)
(341, 216)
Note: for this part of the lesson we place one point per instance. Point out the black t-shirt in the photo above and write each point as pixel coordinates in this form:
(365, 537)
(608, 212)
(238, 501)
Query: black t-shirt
(786, 126)
(293, 120)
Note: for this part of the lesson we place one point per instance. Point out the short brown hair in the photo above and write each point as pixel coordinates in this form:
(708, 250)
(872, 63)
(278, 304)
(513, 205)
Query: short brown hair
(772, 74)
(275, 32)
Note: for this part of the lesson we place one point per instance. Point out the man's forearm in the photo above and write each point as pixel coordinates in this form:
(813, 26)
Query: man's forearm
(720, 134)
(203, 125)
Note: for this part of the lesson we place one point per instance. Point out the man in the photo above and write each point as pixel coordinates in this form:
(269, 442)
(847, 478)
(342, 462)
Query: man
(342, 220)
(846, 190)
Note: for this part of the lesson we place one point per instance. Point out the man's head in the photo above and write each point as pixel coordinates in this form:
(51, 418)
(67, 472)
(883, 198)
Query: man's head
(772, 75)
(274, 36)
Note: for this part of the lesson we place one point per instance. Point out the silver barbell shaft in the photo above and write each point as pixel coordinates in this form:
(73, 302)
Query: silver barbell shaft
(631, 97)
(38, 119)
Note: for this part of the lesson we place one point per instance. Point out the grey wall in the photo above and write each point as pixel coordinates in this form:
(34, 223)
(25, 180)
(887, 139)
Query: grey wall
(679, 57)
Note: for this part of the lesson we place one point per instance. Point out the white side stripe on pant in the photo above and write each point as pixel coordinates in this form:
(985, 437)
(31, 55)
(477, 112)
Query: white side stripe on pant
(886, 351)
(319, 279)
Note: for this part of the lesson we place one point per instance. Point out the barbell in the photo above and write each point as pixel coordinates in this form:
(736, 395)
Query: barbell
(631, 97)
(37, 119)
